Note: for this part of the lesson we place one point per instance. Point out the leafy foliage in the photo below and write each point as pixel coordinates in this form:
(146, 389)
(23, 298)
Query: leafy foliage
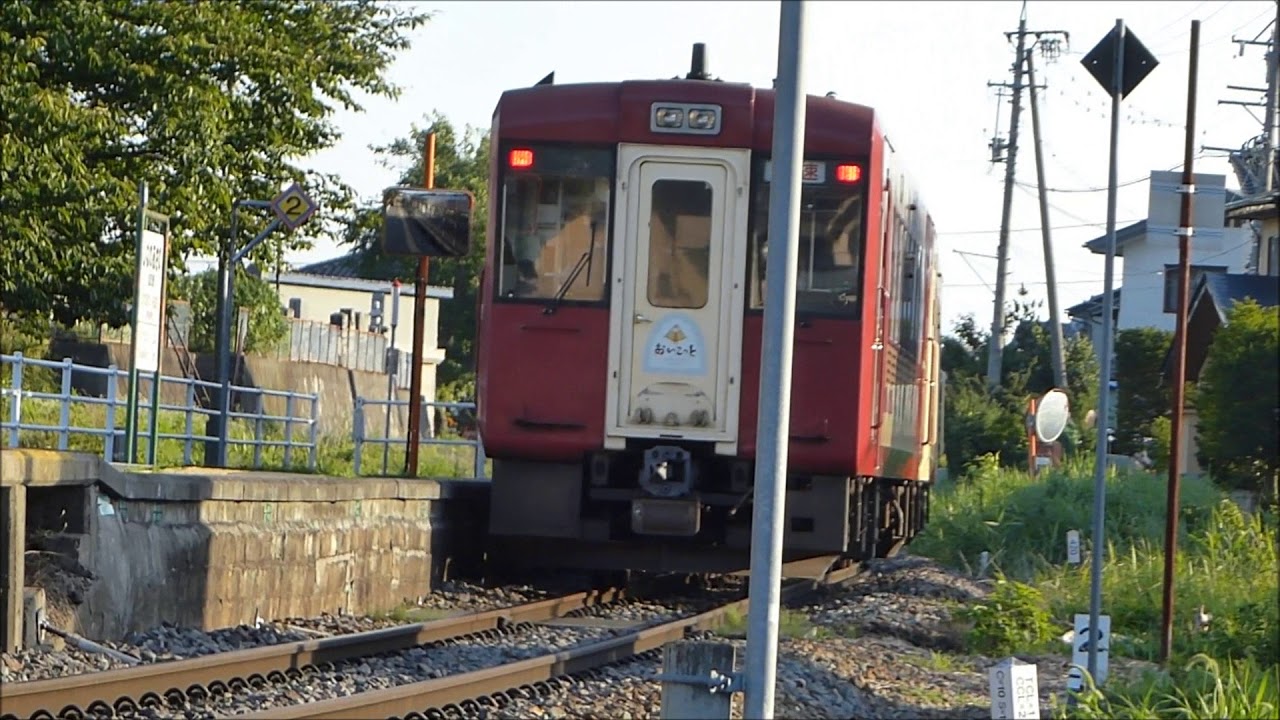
(1013, 618)
(206, 102)
(461, 163)
(1237, 399)
(982, 420)
(267, 325)
(1141, 396)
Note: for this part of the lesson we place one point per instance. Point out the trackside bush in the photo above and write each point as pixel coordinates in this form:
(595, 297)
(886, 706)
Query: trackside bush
(1011, 619)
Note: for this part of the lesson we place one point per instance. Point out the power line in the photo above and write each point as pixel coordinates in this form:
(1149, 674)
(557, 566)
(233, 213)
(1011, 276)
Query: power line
(1035, 229)
(1198, 261)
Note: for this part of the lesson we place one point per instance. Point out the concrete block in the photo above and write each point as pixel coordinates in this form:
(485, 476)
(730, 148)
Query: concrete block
(23, 466)
(33, 610)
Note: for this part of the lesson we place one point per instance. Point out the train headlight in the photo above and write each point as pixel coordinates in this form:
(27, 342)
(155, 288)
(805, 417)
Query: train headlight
(668, 117)
(702, 119)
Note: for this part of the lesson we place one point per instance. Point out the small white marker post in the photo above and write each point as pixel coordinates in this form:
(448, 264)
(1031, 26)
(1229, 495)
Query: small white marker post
(1015, 690)
(1073, 547)
(1080, 650)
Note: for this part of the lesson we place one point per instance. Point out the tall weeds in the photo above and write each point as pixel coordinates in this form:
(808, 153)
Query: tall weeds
(1226, 565)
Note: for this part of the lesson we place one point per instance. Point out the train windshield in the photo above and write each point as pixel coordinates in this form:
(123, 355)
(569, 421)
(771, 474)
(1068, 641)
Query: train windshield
(828, 274)
(555, 210)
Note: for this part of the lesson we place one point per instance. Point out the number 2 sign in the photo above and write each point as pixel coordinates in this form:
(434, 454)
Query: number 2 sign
(293, 206)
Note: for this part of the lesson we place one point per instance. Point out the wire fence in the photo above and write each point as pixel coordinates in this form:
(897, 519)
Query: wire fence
(39, 408)
(376, 421)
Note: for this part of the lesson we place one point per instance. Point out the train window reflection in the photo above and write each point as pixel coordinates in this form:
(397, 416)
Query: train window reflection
(555, 227)
(679, 244)
(827, 272)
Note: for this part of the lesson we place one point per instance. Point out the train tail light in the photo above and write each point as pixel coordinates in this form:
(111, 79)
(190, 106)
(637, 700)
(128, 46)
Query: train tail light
(848, 173)
(520, 158)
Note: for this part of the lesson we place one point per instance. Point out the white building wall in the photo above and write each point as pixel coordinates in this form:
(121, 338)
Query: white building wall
(1143, 276)
(1142, 301)
(318, 303)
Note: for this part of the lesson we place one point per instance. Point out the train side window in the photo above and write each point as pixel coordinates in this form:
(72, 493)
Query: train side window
(828, 277)
(555, 226)
(679, 244)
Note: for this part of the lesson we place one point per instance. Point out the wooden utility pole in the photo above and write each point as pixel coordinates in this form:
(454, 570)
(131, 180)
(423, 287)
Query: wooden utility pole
(1185, 225)
(419, 328)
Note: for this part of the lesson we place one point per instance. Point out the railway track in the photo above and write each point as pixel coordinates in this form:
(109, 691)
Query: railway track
(121, 693)
(466, 693)
(171, 687)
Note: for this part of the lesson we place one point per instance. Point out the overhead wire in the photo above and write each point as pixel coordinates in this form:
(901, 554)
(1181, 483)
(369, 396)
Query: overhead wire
(1198, 261)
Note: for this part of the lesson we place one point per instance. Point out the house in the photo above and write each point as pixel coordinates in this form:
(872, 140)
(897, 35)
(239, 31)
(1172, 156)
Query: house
(353, 292)
(1086, 319)
(1149, 249)
(1213, 296)
(1263, 209)
(1148, 292)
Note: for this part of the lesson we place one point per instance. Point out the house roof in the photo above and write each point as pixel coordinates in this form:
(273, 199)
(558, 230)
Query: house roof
(1211, 298)
(1093, 306)
(1255, 207)
(1123, 235)
(357, 270)
(1225, 289)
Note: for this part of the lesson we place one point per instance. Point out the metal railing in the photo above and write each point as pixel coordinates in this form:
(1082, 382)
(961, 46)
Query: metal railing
(18, 399)
(379, 411)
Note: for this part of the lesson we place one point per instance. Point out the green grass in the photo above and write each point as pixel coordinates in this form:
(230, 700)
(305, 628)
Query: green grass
(791, 624)
(1227, 562)
(414, 614)
(335, 456)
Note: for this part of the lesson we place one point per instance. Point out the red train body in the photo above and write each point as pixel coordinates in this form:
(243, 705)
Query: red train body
(620, 324)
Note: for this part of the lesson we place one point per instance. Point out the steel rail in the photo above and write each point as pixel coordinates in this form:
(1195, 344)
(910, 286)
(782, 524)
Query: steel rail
(415, 698)
(81, 692)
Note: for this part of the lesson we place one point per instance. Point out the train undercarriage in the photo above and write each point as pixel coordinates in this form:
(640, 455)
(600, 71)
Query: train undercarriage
(665, 508)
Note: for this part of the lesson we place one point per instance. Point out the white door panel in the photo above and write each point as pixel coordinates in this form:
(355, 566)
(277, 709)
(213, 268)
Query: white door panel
(676, 330)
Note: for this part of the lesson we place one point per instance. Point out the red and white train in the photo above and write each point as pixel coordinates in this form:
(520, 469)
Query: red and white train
(620, 326)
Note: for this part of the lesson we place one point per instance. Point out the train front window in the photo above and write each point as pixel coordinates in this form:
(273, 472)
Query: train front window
(679, 244)
(555, 223)
(828, 271)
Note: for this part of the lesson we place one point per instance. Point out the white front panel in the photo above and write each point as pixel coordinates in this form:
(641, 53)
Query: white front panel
(676, 329)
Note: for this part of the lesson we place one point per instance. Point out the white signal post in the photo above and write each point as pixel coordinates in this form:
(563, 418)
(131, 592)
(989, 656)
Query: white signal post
(775, 368)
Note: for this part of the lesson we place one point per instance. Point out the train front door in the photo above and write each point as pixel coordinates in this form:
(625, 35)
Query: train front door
(679, 264)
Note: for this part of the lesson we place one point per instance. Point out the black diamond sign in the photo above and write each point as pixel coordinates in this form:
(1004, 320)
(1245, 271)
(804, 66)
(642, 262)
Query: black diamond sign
(1138, 62)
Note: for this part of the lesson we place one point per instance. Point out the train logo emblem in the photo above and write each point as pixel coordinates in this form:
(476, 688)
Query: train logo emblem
(675, 346)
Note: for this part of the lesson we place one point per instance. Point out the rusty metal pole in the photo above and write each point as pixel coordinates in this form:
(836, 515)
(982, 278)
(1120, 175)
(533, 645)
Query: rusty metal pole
(1033, 447)
(419, 328)
(1180, 350)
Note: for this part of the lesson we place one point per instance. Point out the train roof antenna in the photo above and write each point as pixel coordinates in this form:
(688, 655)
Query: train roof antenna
(550, 79)
(698, 67)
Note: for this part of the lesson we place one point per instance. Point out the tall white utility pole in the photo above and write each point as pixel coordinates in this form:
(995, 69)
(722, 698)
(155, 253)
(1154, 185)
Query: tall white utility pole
(768, 510)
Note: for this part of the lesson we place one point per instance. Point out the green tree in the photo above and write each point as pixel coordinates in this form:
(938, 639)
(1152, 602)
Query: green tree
(206, 102)
(1237, 399)
(1141, 396)
(267, 325)
(461, 163)
(982, 420)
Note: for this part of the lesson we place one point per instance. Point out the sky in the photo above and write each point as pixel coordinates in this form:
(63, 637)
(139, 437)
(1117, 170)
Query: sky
(925, 66)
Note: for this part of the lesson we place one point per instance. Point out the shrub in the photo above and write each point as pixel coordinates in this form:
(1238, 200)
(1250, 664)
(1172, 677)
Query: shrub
(1237, 402)
(1012, 619)
(1141, 396)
